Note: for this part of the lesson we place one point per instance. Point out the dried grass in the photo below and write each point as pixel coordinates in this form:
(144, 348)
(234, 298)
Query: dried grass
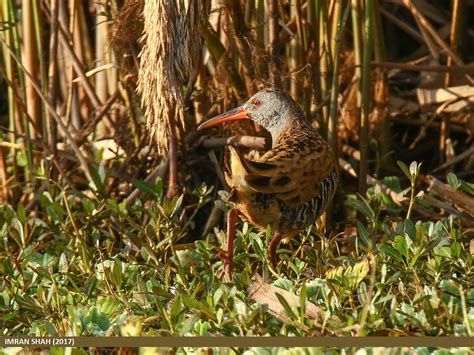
(168, 60)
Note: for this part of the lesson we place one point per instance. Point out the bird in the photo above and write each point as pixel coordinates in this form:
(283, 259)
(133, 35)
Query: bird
(290, 185)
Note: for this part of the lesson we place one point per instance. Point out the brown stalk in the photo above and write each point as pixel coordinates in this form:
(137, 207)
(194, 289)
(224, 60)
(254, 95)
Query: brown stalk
(101, 49)
(90, 125)
(296, 56)
(324, 55)
(453, 39)
(217, 51)
(244, 42)
(421, 123)
(446, 192)
(299, 26)
(80, 109)
(365, 90)
(466, 154)
(402, 25)
(58, 119)
(432, 32)
(173, 159)
(314, 54)
(249, 10)
(30, 60)
(335, 16)
(468, 219)
(79, 69)
(463, 69)
(273, 36)
(4, 175)
(51, 130)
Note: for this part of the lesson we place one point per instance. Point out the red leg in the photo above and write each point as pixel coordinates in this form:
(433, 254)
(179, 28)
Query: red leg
(229, 259)
(272, 247)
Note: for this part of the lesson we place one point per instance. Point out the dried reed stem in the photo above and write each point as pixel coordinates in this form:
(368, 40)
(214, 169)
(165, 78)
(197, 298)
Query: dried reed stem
(169, 58)
(364, 121)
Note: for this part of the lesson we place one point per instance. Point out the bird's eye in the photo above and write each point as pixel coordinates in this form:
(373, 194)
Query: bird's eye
(256, 103)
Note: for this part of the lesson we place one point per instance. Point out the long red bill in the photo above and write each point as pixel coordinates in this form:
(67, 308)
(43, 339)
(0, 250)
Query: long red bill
(238, 113)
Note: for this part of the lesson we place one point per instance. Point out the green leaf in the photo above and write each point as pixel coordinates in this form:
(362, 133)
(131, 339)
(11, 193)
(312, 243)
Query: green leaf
(453, 181)
(17, 227)
(467, 187)
(364, 208)
(96, 317)
(116, 274)
(390, 252)
(56, 212)
(177, 310)
(286, 306)
(257, 244)
(284, 283)
(194, 304)
(96, 179)
(303, 295)
(400, 244)
(159, 187)
(410, 229)
(217, 295)
(88, 206)
(443, 251)
(392, 182)
(21, 213)
(177, 205)
(145, 187)
(364, 235)
(405, 169)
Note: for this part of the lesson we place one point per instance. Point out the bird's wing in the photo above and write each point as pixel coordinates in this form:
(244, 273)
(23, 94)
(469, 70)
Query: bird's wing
(291, 175)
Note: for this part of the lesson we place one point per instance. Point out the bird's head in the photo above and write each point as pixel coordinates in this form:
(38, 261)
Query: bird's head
(270, 108)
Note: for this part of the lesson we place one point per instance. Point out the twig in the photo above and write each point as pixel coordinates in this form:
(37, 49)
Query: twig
(446, 192)
(453, 39)
(58, 119)
(243, 40)
(455, 160)
(90, 125)
(217, 167)
(448, 208)
(352, 152)
(235, 141)
(365, 96)
(433, 33)
(160, 170)
(418, 122)
(402, 25)
(464, 69)
(53, 74)
(272, 8)
(79, 69)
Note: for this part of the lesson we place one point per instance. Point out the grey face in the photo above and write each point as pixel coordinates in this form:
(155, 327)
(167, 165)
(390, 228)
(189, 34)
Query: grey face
(273, 110)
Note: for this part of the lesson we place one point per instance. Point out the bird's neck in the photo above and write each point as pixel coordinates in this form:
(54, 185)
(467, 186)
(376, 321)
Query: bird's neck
(286, 127)
(276, 130)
